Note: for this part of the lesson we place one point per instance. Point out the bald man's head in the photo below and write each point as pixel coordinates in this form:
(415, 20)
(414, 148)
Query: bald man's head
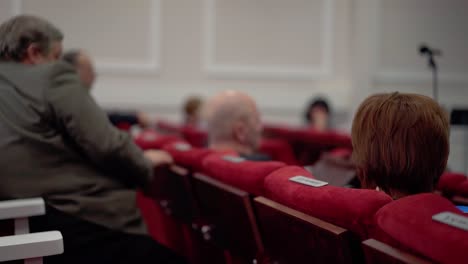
(233, 121)
(83, 64)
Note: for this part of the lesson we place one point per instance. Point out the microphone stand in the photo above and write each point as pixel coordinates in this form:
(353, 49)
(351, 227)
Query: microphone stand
(435, 86)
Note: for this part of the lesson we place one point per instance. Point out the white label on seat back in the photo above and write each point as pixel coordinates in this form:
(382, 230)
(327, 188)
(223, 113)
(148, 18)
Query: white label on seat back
(233, 159)
(308, 181)
(182, 146)
(452, 219)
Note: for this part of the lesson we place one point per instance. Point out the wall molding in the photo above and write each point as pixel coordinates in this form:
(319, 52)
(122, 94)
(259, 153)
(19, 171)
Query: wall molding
(416, 77)
(407, 76)
(240, 71)
(152, 66)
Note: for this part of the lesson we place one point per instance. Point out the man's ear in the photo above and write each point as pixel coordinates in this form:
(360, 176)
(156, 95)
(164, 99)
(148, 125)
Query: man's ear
(239, 131)
(34, 54)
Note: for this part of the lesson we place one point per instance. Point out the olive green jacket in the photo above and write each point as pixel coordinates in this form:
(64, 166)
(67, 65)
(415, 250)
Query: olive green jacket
(55, 142)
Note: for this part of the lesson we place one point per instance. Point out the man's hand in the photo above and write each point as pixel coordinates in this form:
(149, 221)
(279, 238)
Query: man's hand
(144, 120)
(158, 157)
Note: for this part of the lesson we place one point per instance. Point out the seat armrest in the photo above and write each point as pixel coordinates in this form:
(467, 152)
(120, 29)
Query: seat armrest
(21, 208)
(32, 245)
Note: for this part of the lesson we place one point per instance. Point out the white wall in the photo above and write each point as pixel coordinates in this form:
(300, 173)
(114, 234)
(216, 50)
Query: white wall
(151, 54)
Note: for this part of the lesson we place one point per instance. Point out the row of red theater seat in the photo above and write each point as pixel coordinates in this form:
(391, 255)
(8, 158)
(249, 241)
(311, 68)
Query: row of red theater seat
(278, 149)
(365, 213)
(308, 144)
(293, 146)
(454, 186)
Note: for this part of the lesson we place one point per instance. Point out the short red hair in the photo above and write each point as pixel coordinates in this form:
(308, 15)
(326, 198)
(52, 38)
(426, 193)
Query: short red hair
(400, 143)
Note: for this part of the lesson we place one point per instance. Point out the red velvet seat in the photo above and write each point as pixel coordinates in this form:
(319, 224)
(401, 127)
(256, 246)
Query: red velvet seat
(240, 173)
(341, 153)
(450, 182)
(160, 226)
(195, 136)
(279, 150)
(173, 191)
(462, 189)
(407, 224)
(187, 156)
(290, 236)
(224, 195)
(377, 252)
(150, 139)
(168, 127)
(125, 126)
(309, 144)
(352, 209)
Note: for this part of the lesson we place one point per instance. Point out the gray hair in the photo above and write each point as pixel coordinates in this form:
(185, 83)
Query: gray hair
(17, 33)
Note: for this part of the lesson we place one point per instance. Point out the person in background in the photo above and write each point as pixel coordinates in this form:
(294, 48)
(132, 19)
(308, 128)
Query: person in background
(85, 69)
(400, 143)
(233, 123)
(317, 115)
(191, 109)
(58, 144)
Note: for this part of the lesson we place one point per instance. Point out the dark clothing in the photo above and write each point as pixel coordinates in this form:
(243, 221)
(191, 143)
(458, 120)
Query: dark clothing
(85, 242)
(57, 143)
(336, 171)
(117, 118)
(256, 157)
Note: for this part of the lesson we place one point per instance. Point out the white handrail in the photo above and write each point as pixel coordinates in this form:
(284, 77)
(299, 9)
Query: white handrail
(21, 208)
(34, 245)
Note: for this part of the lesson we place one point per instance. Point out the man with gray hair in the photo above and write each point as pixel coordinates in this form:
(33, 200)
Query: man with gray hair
(59, 145)
(233, 123)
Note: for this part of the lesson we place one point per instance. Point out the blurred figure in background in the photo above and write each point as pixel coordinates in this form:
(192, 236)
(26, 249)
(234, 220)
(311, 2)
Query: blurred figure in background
(317, 115)
(400, 143)
(192, 108)
(83, 65)
(58, 144)
(85, 69)
(233, 123)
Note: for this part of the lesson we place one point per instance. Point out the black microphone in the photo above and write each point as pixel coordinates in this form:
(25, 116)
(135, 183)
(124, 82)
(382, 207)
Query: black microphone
(424, 49)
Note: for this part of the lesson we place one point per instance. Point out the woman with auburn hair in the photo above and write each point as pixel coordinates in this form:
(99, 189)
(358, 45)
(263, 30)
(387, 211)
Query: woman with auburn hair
(400, 143)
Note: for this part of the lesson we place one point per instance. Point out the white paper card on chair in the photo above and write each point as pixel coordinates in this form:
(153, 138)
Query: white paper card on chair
(451, 219)
(182, 147)
(308, 181)
(233, 159)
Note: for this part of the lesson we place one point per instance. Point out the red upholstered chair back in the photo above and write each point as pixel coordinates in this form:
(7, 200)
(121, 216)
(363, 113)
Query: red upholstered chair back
(172, 190)
(290, 236)
(125, 126)
(168, 127)
(278, 149)
(449, 182)
(341, 153)
(161, 227)
(238, 172)
(224, 196)
(461, 194)
(454, 186)
(228, 218)
(195, 136)
(188, 156)
(377, 252)
(150, 139)
(462, 189)
(352, 209)
(407, 224)
(309, 144)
